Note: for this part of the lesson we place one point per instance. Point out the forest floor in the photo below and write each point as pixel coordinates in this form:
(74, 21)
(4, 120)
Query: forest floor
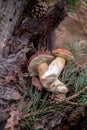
(73, 30)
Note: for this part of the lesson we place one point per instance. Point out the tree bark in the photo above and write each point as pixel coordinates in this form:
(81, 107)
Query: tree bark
(10, 12)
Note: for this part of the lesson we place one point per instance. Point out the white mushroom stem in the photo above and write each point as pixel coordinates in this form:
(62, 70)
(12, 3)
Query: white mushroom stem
(54, 69)
(50, 83)
(55, 86)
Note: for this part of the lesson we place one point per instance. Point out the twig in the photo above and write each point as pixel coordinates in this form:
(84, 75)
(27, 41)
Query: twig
(76, 95)
(72, 103)
(19, 88)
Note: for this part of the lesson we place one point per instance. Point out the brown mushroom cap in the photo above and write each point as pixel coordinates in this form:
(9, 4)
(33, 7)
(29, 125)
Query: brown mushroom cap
(61, 52)
(37, 59)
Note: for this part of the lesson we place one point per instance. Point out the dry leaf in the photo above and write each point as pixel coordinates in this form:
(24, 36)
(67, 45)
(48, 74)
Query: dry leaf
(36, 83)
(13, 120)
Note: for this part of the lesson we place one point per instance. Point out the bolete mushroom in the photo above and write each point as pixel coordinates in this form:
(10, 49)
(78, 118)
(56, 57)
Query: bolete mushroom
(39, 62)
(38, 65)
(48, 75)
(55, 86)
(57, 65)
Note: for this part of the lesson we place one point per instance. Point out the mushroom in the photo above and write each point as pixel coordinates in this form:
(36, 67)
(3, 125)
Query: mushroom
(48, 75)
(55, 86)
(50, 79)
(38, 65)
(57, 65)
(39, 62)
(58, 86)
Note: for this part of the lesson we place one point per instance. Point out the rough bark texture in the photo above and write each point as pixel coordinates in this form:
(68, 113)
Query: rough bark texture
(10, 11)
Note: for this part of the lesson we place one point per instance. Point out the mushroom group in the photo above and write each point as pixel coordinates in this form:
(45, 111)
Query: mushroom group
(48, 67)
